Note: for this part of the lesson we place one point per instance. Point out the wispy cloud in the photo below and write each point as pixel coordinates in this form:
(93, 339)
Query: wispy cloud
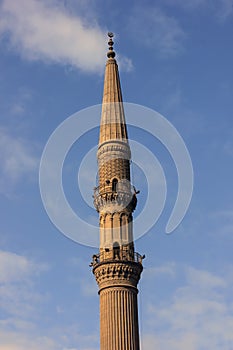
(86, 283)
(17, 159)
(222, 222)
(19, 102)
(124, 63)
(204, 279)
(47, 31)
(156, 30)
(15, 340)
(19, 303)
(14, 267)
(166, 269)
(17, 296)
(22, 310)
(28, 339)
(197, 314)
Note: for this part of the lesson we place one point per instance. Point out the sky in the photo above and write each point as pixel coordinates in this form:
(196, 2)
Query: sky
(175, 57)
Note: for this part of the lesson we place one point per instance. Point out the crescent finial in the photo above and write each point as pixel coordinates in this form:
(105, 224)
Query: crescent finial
(111, 53)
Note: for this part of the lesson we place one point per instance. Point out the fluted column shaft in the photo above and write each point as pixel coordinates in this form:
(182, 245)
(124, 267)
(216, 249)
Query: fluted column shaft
(119, 319)
(118, 304)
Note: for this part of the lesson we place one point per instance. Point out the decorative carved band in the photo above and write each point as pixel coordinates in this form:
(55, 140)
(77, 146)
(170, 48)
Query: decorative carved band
(117, 273)
(117, 146)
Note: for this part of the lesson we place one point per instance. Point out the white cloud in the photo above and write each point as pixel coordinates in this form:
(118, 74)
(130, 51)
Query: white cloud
(87, 283)
(197, 314)
(156, 30)
(30, 339)
(49, 31)
(19, 102)
(14, 267)
(72, 338)
(124, 63)
(13, 340)
(166, 269)
(17, 159)
(223, 222)
(17, 294)
(19, 303)
(23, 317)
(204, 279)
(41, 30)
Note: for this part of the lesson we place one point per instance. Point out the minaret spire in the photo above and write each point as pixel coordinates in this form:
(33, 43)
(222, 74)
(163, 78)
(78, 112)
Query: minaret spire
(117, 267)
(112, 125)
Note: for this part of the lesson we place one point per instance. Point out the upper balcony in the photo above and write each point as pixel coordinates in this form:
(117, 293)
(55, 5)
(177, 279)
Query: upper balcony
(106, 196)
(116, 256)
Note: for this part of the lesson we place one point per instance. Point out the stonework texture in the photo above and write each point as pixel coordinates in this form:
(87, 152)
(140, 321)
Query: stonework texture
(117, 267)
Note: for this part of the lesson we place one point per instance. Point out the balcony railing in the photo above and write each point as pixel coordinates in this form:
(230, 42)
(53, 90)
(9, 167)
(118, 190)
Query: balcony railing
(116, 255)
(119, 197)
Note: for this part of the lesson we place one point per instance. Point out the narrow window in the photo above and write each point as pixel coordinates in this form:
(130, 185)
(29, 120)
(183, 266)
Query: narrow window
(116, 250)
(114, 185)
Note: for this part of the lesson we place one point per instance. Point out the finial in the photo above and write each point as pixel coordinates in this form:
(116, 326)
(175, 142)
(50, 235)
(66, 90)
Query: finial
(111, 53)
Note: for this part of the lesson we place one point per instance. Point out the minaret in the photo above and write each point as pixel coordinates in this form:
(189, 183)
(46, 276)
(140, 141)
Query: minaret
(117, 267)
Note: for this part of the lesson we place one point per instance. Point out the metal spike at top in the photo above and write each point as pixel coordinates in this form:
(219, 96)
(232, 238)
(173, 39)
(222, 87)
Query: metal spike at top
(111, 53)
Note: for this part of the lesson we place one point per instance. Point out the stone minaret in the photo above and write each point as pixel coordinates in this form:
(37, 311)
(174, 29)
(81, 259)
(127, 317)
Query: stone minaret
(117, 267)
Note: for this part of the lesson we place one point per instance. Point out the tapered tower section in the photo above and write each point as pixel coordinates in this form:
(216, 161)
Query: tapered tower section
(117, 267)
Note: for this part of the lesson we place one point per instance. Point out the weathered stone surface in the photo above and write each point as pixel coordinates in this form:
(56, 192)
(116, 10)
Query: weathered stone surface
(113, 273)
(117, 268)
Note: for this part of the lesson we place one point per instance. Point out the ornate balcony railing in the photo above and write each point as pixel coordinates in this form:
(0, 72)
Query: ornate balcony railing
(121, 198)
(116, 256)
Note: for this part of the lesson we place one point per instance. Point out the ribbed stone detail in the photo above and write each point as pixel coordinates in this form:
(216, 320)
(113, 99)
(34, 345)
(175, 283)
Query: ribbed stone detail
(112, 126)
(119, 319)
(118, 304)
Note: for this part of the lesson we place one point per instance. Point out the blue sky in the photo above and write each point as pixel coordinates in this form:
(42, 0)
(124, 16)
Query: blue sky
(174, 57)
